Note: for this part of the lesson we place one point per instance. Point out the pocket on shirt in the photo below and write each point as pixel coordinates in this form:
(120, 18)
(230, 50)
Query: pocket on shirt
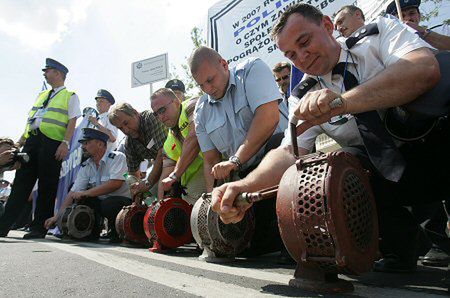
(245, 116)
(218, 134)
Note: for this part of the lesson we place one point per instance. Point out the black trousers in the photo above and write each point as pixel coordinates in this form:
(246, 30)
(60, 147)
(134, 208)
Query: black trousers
(107, 208)
(42, 166)
(266, 237)
(426, 180)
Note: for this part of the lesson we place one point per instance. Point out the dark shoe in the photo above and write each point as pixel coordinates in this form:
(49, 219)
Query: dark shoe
(34, 234)
(284, 258)
(114, 240)
(392, 263)
(436, 258)
(3, 233)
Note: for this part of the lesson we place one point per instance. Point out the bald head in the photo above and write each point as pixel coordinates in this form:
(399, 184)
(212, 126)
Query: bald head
(202, 54)
(210, 71)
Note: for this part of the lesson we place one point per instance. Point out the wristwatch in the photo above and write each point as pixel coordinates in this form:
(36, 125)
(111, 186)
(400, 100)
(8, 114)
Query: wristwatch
(234, 159)
(67, 144)
(173, 176)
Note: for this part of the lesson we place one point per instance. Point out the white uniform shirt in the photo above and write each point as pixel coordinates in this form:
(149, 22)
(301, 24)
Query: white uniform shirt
(113, 165)
(104, 121)
(74, 110)
(370, 56)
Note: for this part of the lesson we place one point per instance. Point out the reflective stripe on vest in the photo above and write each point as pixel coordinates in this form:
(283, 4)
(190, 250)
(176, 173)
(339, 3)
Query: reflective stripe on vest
(55, 120)
(173, 147)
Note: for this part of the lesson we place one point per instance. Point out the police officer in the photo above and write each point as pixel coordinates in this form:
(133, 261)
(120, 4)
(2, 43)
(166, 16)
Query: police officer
(437, 36)
(50, 126)
(100, 183)
(348, 18)
(182, 160)
(104, 100)
(178, 88)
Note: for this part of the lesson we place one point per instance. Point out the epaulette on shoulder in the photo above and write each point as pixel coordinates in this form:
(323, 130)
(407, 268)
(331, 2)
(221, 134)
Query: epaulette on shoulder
(303, 87)
(367, 30)
(84, 164)
(112, 155)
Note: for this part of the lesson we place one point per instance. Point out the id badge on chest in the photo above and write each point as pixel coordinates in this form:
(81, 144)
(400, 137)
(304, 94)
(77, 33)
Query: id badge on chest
(39, 114)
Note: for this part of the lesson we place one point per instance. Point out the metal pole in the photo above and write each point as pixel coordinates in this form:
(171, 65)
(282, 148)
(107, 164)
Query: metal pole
(151, 90)
(399, 10)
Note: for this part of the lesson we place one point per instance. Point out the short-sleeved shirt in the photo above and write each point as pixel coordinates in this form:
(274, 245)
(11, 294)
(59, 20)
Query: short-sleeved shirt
(370, 56)
(104, 121)
(223, 124)
(112, 166)
(152, 135)
(167, 162)
(74, 110)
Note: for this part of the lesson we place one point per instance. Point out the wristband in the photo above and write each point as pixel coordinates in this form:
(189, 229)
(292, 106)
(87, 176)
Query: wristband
(234, 159)
(67, 144)
(173, 176)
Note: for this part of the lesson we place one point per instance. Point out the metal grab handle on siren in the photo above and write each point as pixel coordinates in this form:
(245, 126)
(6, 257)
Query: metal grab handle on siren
(335, 103)
(247, 198)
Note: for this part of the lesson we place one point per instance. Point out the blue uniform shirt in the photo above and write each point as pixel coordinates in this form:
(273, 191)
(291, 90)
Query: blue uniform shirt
(223, 124)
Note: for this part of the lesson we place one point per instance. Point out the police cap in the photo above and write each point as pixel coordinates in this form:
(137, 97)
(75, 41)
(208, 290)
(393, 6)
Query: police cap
(392, 9)
(105, 94)
(93, 134)
(50, 63)
(176, 85)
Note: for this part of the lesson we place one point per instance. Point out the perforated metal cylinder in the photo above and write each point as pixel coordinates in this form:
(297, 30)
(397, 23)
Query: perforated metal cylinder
(130, 224)
(327, 214)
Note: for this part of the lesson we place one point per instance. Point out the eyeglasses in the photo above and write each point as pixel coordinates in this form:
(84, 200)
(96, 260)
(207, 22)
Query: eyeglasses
(161, 110)
(282, 78)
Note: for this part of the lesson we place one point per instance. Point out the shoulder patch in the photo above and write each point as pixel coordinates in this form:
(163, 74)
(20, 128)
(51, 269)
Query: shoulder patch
(112, 155)
(367, 30)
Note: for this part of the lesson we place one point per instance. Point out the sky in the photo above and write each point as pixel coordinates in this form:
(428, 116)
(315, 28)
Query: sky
(97, 40)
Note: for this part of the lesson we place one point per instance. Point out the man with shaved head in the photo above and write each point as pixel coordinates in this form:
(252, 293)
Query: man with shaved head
(237, 121)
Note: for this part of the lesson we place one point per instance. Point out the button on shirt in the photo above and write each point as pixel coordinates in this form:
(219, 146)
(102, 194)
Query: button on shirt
(112, 166)
(104, 121)
(152, 135)
(223, 124)
(74, 110)
(370, 56)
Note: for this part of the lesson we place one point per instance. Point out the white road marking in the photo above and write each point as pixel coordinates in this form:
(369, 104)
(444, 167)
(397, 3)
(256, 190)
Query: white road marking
(194, 285)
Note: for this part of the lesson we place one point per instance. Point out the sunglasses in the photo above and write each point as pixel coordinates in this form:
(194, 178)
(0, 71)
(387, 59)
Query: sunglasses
(161, 110)
(282, 78)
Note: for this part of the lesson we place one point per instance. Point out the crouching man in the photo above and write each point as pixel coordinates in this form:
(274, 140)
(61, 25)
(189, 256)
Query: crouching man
(100, 183)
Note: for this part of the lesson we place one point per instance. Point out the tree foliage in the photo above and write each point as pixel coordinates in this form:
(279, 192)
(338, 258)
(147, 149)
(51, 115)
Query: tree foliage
(182, 72)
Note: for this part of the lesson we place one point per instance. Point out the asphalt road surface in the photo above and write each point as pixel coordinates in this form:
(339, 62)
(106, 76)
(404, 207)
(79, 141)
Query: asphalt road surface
(64, 268)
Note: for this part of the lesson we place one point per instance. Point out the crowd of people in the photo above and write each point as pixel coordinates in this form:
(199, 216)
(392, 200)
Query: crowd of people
(238, 130)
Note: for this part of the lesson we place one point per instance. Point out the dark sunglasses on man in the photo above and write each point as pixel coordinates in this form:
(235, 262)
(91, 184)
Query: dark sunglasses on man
(282, 78)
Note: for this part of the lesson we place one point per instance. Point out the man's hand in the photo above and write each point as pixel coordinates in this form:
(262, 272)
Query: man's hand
(222, 202)
(138, 187)
(167, 183)
(50, 222)
(61, 152)
(222, 169)
(6, 156)
(79, 195)
(93, 120)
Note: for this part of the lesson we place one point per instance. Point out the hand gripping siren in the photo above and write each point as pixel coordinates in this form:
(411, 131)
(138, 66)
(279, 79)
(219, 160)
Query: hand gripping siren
(167, 222)
(220, 242)
(77, 221)
(129, 221)
(327, 218)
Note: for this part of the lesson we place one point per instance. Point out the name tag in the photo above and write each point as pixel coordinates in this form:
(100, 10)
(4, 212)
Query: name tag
(150, 144)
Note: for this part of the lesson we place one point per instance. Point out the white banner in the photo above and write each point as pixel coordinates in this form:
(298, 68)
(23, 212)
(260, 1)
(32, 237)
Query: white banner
(238, 29)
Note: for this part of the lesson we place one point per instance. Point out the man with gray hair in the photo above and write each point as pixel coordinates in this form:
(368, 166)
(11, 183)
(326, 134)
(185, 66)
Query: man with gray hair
(145, 140)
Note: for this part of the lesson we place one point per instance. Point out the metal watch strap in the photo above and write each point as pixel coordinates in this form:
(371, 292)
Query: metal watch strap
(234, 159)
(173, 176)
(67, 143)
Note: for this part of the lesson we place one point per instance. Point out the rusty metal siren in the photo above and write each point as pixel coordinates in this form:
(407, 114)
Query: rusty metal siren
(220, 242)
(129, 224)
(167, 224)
(327, 217)
(77, 221)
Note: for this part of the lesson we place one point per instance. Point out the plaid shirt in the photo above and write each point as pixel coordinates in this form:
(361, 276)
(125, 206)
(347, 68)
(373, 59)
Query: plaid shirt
(152, 133)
